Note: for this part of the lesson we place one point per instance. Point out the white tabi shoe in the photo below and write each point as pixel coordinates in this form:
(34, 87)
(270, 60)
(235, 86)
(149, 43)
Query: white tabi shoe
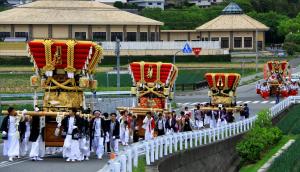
(100, 157)
(87, 158)
(39, 159)
(10, 159)
(68, 159)
(73, 160)
(33, 159)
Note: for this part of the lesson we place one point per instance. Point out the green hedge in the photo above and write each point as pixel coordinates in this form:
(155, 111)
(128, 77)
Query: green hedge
(15, 61)
(112, 60)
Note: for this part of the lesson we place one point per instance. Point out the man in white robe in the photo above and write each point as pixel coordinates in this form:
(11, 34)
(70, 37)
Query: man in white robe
(37, 138)
(71, 127)
(11, 134)
(149, 126)
(97, 134)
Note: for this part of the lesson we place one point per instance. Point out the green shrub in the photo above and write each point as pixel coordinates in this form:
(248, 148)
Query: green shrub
(15, 61)
(259, 138)
(263, 119)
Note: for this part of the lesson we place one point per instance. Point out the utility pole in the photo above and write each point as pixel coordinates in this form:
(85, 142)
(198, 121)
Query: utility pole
(117, 52)
(256, 49)
(174, 61)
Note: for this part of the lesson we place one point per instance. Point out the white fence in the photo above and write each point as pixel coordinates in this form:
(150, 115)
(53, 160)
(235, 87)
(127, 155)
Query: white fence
(164, 145)
(161, 45)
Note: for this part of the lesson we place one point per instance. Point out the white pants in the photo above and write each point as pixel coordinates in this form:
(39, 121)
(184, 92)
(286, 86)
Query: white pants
(199, 123)
(98, 146)
(25, 145)
(212, 123)
(127, 136)
(114, 144)
(148, 135)
(11, 146)
(122, 135)
(84, 147)
(37, 148)
(71, 148)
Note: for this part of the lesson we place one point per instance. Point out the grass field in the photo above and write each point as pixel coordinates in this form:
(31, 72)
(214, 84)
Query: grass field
(290, 124)
(289, 161)
(18, 83)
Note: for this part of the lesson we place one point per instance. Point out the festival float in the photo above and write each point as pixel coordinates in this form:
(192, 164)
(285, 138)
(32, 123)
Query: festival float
(153, 85)
(222, 91)
(64, 69)
(277, 77)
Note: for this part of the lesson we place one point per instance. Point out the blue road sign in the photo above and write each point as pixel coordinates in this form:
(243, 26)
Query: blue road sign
(187, 48)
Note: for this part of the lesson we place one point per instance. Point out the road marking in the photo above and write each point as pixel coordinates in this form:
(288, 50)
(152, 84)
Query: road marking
(247, 101)
(272, 102)
(238, 102)
(13, 163)
(185, 104)
(264, 102)
(193, 104)
(255, 102)
(204, 102)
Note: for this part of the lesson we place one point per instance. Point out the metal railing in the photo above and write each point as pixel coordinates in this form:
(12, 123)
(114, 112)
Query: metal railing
(161, 45)
(163, 145)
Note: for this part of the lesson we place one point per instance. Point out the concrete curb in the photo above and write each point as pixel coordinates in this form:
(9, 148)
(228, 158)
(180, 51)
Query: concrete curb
(267, 165)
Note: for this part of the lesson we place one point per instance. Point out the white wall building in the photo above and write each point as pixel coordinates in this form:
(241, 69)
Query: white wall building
(205, 3)
(149, 3)
(111, 1)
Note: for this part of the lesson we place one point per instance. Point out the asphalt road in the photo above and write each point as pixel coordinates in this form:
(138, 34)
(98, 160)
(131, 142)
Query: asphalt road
(245, 94)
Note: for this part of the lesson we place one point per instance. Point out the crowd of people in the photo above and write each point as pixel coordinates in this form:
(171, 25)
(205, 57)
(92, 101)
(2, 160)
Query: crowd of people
(284, 90)
(102, 134)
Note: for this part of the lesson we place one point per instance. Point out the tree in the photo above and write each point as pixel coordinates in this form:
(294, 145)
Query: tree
(271, 19)
(2, 2)
(118, 4)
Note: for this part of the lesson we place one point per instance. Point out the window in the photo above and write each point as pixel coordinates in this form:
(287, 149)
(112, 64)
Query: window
(224, 42)
(237, 42)
(3, 35)
(131, 36)
(152, 36)
(21, 34)
(115, 35)
(214, 39)
(150, 3)
(159, 3)
(204, 39)
(248, 42)
(80, 35)
(99, 36)
(143, 36)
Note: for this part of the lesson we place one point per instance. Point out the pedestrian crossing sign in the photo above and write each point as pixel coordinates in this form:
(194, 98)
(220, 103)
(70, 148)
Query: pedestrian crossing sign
(187, 48)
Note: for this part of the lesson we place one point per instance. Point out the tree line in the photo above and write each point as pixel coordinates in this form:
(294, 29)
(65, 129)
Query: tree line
(280, 15)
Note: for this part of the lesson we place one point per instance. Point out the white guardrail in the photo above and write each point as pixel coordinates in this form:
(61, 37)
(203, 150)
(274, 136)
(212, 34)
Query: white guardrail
(163, 145)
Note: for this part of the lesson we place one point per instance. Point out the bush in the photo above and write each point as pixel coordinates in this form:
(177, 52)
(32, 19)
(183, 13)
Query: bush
(258, 139)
